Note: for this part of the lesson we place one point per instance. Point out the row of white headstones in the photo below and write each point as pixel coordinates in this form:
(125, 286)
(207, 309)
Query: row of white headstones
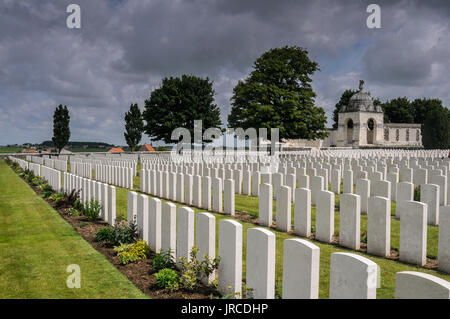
(257, 291)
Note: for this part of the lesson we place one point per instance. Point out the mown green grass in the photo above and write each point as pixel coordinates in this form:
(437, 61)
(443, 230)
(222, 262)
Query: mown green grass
(37, 245)
(388, 268)
(8, 149)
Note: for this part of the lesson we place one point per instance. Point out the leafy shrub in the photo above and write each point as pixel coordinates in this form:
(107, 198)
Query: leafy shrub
(163, 260)
(125, 233)
(105, 234)
(132, 252)
(72, 212)
(167, 279)
(70, 198)
(78, 206)
(92, 210)
(56, 198)
(193, 271)
(37, 181)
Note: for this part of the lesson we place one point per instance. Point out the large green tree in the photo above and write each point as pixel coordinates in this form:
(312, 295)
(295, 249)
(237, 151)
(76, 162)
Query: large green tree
(398, 110)
(278, 94)
(134, 126)
(436, 128)
(421, 107)
(61, 129)
(177, 103)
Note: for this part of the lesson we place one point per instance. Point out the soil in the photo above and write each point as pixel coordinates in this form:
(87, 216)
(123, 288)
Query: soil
(141, 272)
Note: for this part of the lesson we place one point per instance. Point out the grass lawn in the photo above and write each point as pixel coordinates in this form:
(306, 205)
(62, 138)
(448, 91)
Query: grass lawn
(37, 245)
(388, 267)
(7, 149)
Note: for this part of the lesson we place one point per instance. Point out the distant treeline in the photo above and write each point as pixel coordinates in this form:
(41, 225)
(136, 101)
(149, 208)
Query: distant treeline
(80, 144)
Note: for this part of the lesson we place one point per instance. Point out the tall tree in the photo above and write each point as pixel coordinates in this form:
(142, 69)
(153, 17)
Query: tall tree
(436, 129)
(345, 98)
(177, 103)
(61, 129)
(278, 94)
(398, 110)
(421, 107)
(134, 126)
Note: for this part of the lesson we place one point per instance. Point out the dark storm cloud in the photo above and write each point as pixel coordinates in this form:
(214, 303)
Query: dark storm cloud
(124, 48)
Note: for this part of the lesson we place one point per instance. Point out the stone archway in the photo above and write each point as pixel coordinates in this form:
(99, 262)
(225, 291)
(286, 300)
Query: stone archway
(349, 127)
(371, 127)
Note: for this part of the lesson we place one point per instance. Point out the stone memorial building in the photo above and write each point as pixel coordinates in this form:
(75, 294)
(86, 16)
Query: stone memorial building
(361, 124)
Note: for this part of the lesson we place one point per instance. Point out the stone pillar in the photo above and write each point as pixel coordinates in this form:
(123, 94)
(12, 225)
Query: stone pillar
(301, 262)
(141, 214)
(291, 183)
(205, 238)
(348, 182)
(325, 217)
(217, 205)
(260, 275)
(169, 228)
(363, 191)
(393, 179)
(284, 209)
(418, 285)
(379, 226)
(230, 252)
(265, 205)
(229, 203)
(352, 277)
(336, 181)
(380, 188)
(350, 221)
(206, 193)
(185, 233)
(429, 194)
(405, 192)
(302, 212)
(132, 207)
(256, 178)
(246, 184)
(197, 199)
(112, 205)
(317, 186)
(154, 224)
(444, 240)
(188, 189)
(413, 232)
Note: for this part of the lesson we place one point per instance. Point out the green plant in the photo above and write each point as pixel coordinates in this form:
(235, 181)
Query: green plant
(163, 260)
(82, 224)
(78, 206)
(417, 193)
(72, 212)
(132, 252)
(57, 198)
(69, 199)
(105, 234)
(125, 233)
(364, 237)
(167, 279)
(193, 270)
(92, 210)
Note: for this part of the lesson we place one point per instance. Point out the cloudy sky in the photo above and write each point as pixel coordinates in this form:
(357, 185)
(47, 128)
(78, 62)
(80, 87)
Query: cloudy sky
(125, 47)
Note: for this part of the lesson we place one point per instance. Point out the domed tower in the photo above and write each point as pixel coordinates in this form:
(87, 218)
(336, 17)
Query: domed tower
(360, 123)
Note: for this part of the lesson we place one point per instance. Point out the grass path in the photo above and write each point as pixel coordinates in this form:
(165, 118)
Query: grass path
(37, 245)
